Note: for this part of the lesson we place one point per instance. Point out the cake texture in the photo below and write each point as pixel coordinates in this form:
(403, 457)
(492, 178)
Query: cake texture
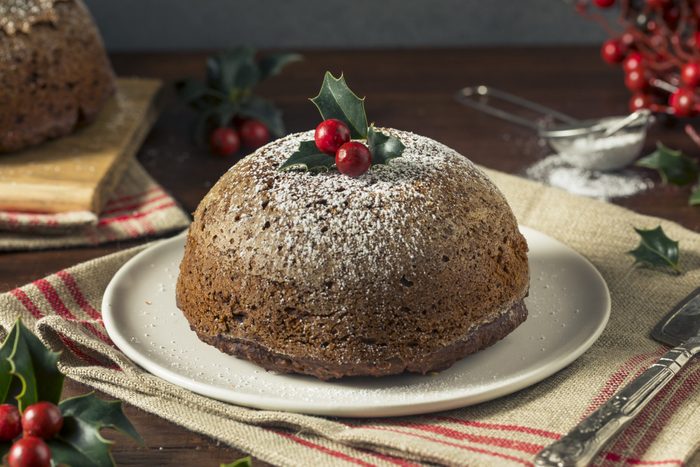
(407, 268)
(54, 71)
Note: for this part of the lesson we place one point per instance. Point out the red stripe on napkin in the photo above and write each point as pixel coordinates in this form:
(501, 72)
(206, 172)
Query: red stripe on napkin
(615, 381)
(618, 458)
(448, 443)
(500, 426)
(136, 215)
(659, 411)
(318, 447)
(60, 308)
(77, 295)
(133, 206)
(31, 307)
(528, 448)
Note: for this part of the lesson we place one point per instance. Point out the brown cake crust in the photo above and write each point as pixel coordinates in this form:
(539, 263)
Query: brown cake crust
(407, 268)
(55, 77)
(478, 338)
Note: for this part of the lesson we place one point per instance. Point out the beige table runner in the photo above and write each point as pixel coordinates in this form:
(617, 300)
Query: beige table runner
(64, 307)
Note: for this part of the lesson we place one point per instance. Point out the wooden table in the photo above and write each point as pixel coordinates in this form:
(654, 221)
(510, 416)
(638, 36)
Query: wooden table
(405, 89)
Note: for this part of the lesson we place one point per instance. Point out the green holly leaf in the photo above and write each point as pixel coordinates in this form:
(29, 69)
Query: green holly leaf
(29, 371)
(5, 367)
(336, 100)
(261, 109)
(673, 166)
(308, 157)
(233, 70)
(80, 442)
(4, 449)
(656, 250)
(242, 462)
(197, 94)
(383, 147)
(694, 199)
(272, 64)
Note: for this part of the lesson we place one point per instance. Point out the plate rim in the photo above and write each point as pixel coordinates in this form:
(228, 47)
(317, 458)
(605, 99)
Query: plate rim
(368, 410)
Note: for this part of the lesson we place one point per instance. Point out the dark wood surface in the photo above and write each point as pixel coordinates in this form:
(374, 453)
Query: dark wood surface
(405, 89)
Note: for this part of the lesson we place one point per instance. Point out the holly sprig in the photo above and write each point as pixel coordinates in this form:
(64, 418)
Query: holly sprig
(29, 374)
(242, 462)
(656, 250)
(336, 100)
(674, 168)
(227, 91)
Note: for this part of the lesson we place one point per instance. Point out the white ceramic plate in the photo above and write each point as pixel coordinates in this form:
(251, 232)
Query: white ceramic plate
(569, 305)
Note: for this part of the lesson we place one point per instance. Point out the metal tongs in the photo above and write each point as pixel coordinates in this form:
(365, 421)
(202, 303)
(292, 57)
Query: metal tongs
(569, 136)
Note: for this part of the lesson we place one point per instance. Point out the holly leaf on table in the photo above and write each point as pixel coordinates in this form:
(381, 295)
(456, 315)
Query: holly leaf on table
(272, 64)
(28, 370)
(673, 166)
(233, 69)
(308, 157)
(336, 100)
(383, 147)
(80, 442)
(265, 111)
(242, 462)
(655, 249)
(694, 199)
(197, 94)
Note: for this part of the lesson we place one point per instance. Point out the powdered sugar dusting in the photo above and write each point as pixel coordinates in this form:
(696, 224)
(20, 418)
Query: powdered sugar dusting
(341, 227)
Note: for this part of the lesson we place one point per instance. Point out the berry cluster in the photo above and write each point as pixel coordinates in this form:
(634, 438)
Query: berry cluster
(226, 140)
(39, 422)
(659, 50)
(332, 137)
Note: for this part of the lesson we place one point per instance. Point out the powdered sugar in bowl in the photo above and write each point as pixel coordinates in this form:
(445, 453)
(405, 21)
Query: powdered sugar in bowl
(603, 144)
(595, 146)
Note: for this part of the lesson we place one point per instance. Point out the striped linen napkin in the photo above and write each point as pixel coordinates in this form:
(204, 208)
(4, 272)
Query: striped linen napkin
(64, 310)
(138, 207)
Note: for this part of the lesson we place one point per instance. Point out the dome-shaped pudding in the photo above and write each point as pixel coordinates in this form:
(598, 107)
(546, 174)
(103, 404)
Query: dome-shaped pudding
(408, 267)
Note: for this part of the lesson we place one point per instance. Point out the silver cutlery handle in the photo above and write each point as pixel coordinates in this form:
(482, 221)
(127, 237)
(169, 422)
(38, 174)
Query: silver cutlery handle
(582, 443)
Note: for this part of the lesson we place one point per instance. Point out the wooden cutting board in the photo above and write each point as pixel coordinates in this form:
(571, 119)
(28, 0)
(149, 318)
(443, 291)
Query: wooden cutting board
(77, 172)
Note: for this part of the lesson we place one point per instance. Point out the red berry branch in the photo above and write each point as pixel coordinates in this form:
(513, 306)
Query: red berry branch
(657, 42)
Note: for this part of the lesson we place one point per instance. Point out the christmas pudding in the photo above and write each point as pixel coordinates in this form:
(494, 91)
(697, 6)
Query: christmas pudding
(54, 72)
(398, 255)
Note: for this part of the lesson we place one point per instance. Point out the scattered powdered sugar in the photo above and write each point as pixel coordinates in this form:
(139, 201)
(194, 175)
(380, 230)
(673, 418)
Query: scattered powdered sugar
(556, 171)
(339, 227)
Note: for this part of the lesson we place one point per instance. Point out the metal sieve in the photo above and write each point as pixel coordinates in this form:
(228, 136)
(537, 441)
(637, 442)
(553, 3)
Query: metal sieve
(599, 144)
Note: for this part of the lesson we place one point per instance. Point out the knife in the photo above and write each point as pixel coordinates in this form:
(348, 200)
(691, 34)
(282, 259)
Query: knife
(680, 329)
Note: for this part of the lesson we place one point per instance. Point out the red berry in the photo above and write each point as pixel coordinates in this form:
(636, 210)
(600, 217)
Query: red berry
(632, 62)
(612, 51)
(224, 141)
(330, 135)
(10, 422)
(627, 39)
(636, 80)
(42, 419)
(658, 3)
(683, 102)
(640, 101)
(353, 159)
(690, 74)
(604, 3)
(254, 134)
(29, 451)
